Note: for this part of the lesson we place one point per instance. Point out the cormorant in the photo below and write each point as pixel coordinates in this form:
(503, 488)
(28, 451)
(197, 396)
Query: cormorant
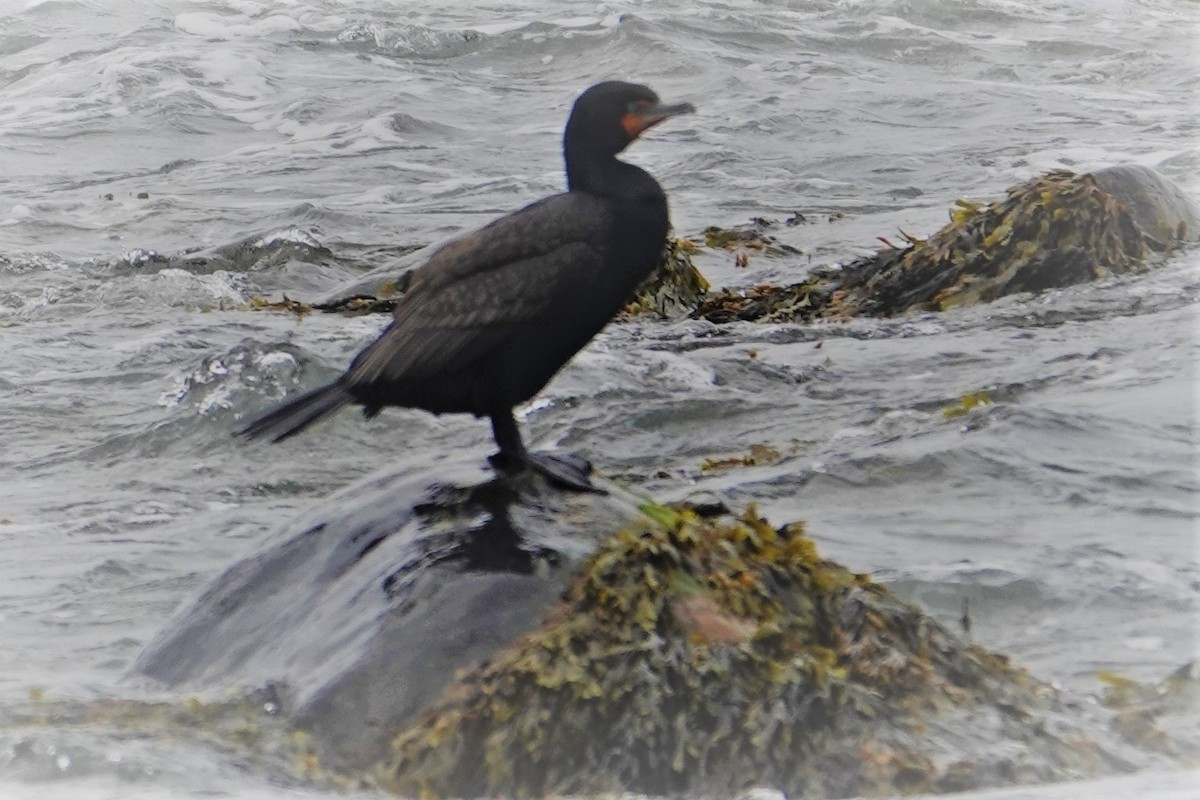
(489, 319)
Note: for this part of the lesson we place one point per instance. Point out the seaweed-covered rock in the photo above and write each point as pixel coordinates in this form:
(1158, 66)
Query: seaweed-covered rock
(434, 635)
(751, 237)
(1055, 230)
(704, 657)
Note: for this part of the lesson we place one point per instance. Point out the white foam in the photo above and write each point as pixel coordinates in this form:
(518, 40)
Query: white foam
(233, 26)
(302, 236)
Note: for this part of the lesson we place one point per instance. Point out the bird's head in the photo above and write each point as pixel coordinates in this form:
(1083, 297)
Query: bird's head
(610, 115)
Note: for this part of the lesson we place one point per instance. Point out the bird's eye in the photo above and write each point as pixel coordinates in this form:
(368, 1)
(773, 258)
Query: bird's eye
(636, 105)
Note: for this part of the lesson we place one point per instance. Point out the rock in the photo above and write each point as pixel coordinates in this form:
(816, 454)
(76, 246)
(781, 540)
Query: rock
(363, 610)
(449, 638)
(258, 252)
(705, 657)
(1055, 230)
(1157, 204)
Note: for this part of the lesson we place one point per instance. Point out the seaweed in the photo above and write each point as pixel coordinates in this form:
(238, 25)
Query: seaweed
(766, 303)
(966, 404)
(674, 287)
(758, 455)
(706, 656)
(1054, 230)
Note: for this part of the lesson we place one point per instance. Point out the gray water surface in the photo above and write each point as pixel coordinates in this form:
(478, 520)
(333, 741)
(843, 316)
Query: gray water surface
(1064, 513)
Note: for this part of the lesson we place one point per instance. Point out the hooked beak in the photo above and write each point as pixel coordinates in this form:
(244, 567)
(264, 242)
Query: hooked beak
(646, 117)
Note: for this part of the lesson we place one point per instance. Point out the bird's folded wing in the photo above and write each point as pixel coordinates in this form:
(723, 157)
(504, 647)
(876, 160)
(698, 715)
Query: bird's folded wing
(442, 327)
(537, 230)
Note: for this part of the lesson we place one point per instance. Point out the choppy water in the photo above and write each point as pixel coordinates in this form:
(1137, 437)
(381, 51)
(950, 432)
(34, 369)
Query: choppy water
(1065, 512)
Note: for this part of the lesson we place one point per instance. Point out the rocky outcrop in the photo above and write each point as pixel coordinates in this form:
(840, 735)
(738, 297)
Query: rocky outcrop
(695, 656)
(362, 611)
(443, 637)
(1055, 230)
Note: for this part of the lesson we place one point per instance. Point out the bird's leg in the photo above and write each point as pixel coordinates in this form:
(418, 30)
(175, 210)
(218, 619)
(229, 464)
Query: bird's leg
(568, 471)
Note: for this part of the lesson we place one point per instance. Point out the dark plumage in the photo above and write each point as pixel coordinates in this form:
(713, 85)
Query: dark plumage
(493, 315)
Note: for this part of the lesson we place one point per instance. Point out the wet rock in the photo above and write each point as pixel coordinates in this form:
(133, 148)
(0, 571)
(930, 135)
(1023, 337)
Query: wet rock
(258, 252)
(366, 607)
(1159, 207)
(444, 637)
(380, 287)
(704, 657)
(361, 304)
(1055, 230)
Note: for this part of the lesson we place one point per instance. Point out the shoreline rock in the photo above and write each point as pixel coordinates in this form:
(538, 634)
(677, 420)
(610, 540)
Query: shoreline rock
(1054, 230)
(411, 573)
(438, 636)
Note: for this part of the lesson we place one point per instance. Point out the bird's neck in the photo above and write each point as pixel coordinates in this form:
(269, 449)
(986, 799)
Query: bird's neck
(608, 176)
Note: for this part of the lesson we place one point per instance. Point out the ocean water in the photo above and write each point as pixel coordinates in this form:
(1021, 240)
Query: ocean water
(162, 162)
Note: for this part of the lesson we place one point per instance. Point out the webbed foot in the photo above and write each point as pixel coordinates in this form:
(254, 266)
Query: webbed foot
(568, 470)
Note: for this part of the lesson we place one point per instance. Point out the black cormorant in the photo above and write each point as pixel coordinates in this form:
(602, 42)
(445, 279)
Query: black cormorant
(493, 315)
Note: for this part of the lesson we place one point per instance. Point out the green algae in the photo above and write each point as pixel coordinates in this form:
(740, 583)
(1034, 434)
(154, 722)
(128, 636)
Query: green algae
(664, 516)
(966, 404)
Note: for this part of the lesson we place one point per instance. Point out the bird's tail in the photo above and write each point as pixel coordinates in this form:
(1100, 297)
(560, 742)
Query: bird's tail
(298, 414)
